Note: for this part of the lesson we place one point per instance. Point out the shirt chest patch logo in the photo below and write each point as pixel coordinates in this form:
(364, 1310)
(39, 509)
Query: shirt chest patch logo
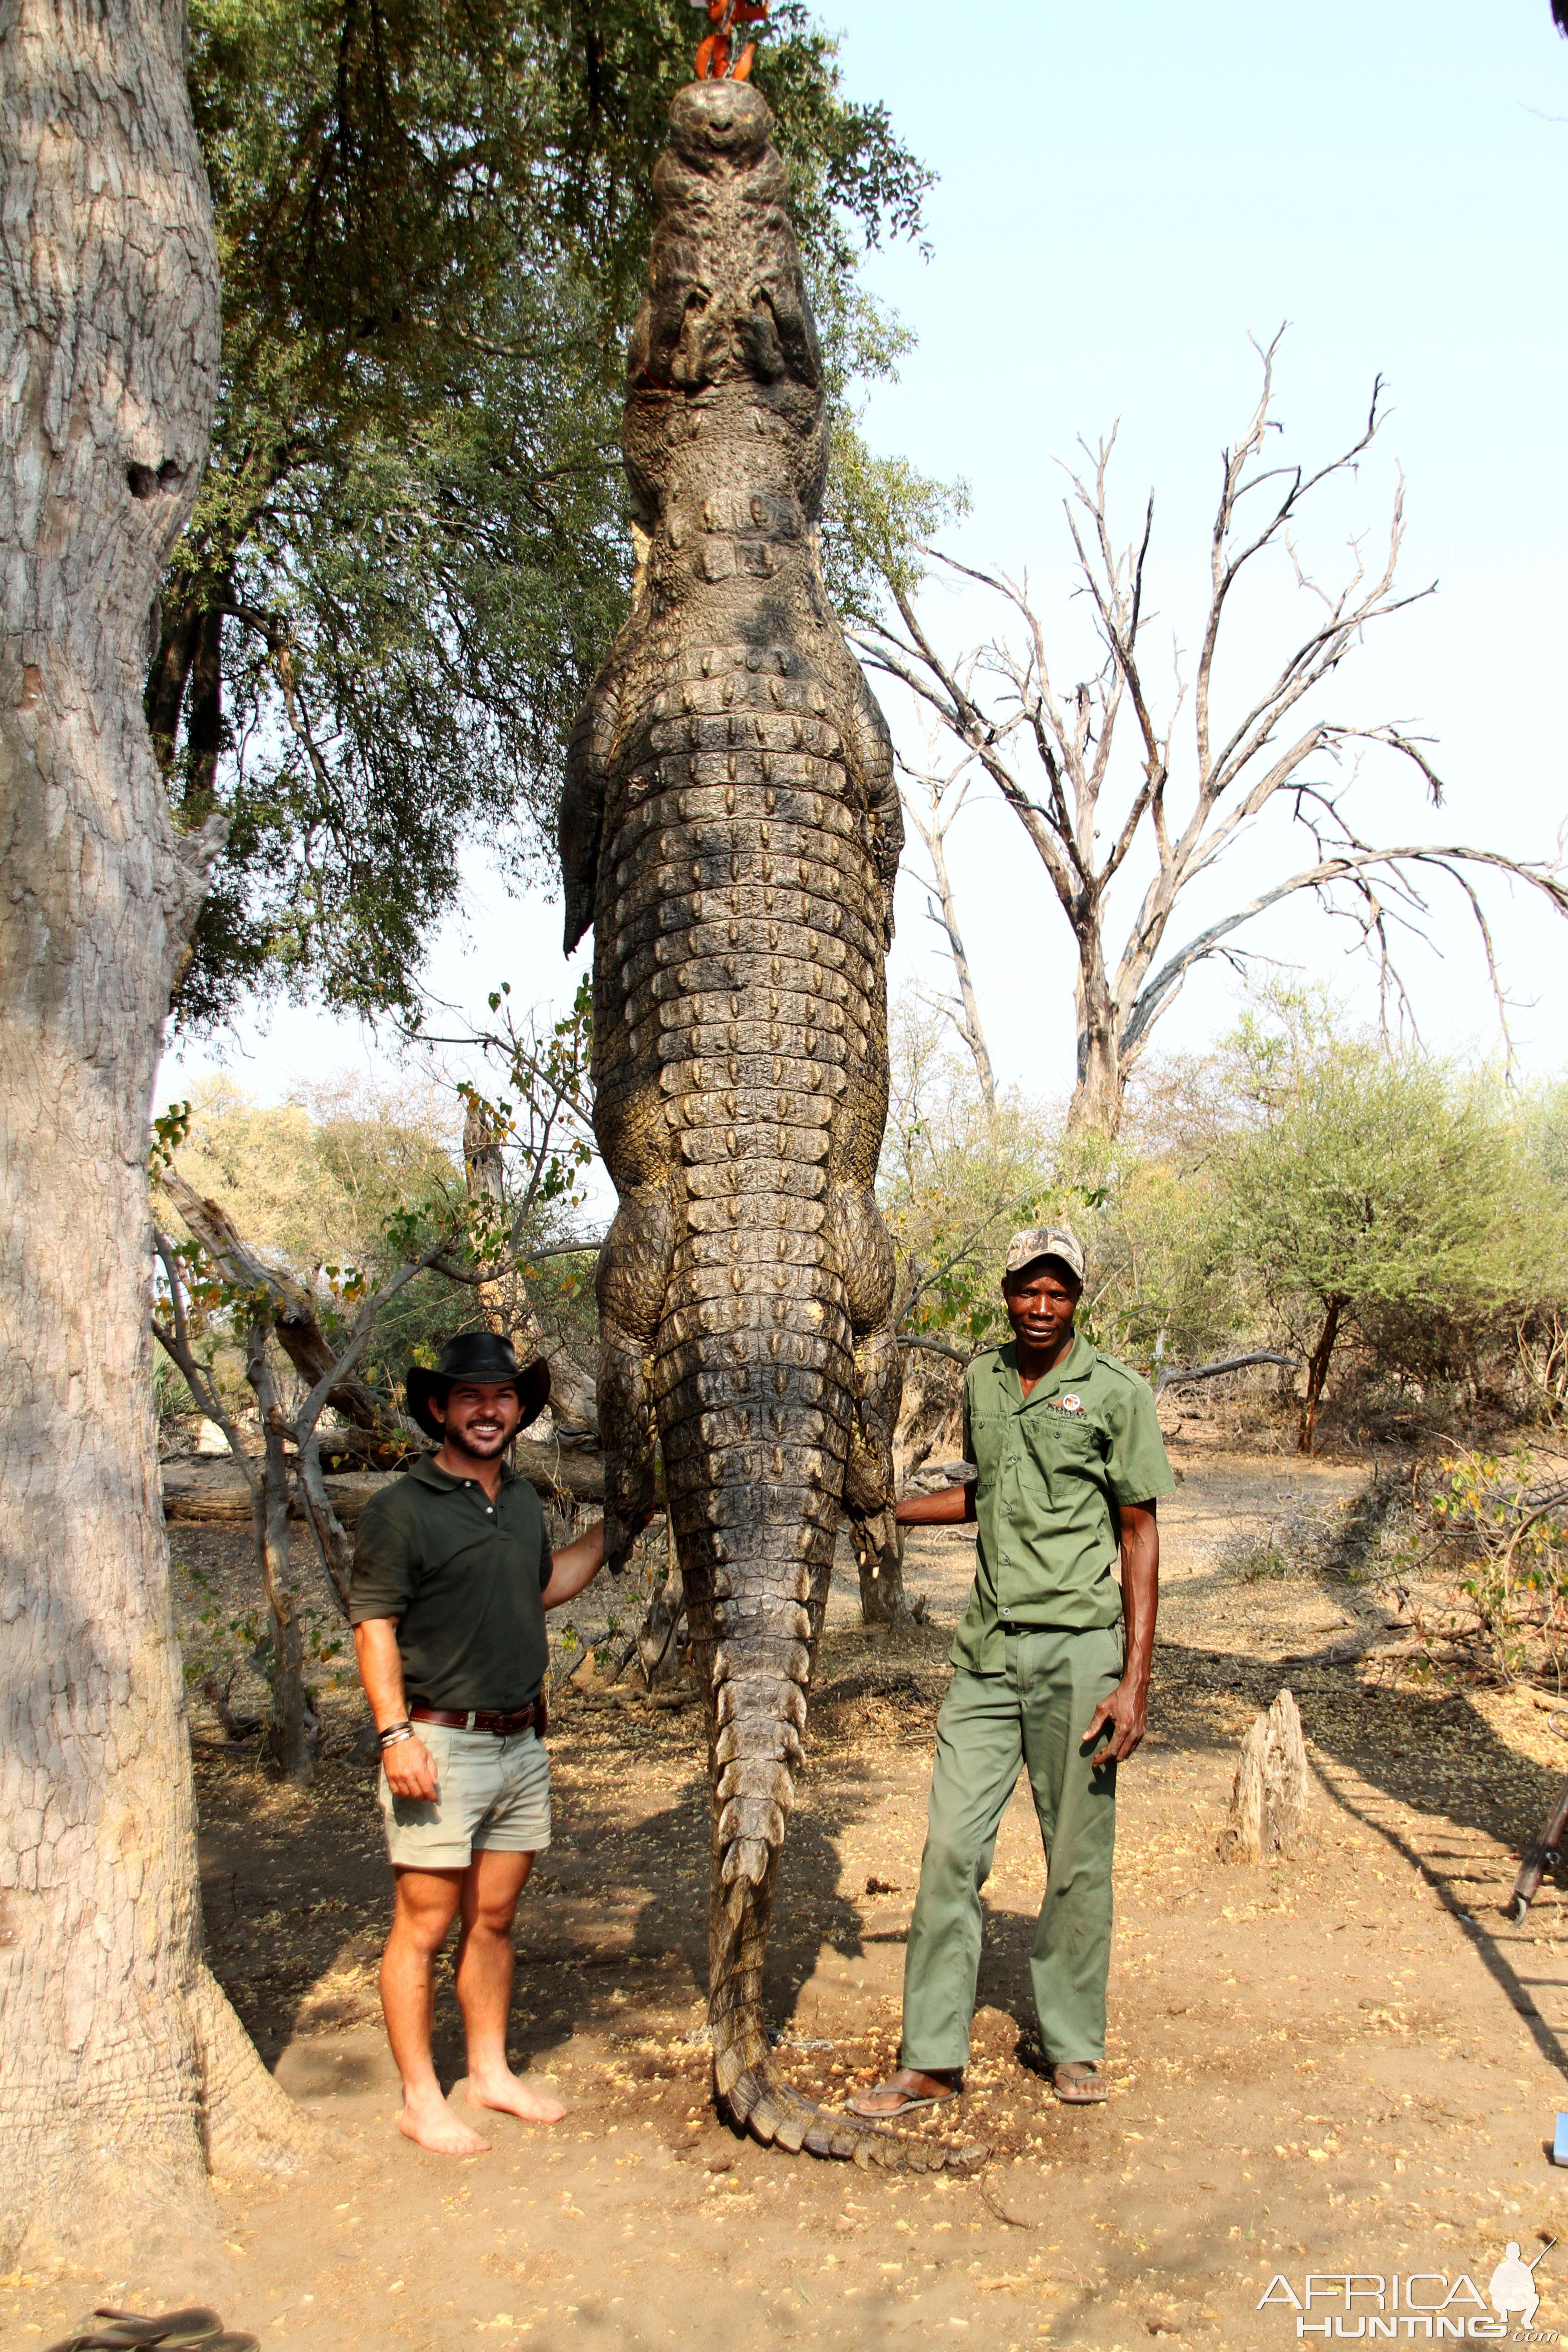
(1070, 1404)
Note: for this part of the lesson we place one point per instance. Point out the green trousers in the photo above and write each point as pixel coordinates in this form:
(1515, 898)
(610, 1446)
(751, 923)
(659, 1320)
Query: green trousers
(1034, 1713)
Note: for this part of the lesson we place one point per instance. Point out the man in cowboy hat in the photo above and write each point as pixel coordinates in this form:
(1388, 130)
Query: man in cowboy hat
(1051, 1671)
(452, 1576)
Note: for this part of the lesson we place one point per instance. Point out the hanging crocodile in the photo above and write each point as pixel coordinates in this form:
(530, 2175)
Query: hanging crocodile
(731, 828)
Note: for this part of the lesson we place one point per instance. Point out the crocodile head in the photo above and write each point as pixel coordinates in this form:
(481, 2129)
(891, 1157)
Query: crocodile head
(726, 320)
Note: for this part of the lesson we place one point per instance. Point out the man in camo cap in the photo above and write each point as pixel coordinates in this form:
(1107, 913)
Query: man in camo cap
(1051, 1670)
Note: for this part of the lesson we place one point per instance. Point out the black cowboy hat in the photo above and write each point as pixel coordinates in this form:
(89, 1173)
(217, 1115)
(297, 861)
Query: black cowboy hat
(477, 1356)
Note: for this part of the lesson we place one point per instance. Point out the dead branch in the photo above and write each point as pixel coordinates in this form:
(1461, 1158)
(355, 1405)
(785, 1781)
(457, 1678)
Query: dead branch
(294, 1319)
(945, 797)
(1048, 753)
(175, 1339)
(1214, 1371)
(936, 1348)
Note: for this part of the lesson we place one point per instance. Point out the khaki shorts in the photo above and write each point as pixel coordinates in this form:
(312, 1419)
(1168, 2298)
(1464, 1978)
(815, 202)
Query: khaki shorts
(490, 1794)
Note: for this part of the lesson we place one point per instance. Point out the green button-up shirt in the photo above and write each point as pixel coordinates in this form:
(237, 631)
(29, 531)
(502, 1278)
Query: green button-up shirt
(1054, 1466)
(463, 1577)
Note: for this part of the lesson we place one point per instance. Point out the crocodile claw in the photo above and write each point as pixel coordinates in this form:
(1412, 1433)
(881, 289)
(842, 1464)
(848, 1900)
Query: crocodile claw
(779, 2116)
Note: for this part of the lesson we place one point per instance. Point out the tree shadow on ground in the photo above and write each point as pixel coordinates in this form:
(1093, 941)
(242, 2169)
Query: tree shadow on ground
(595, 1926)
(1381, 1754)
(298, 1895)
(1431, 1753)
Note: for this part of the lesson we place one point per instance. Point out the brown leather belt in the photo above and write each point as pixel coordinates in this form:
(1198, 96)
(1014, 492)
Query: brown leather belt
(504, 1727)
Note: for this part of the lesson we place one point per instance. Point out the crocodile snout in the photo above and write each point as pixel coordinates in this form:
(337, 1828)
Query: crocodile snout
(724, 122)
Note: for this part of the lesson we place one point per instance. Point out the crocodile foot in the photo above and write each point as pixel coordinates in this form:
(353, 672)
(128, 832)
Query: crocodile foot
(780, 2117)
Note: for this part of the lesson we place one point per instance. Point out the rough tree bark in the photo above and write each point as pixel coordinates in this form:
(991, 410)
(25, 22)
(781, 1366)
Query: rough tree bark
(1270, 1797)
(119, 2059)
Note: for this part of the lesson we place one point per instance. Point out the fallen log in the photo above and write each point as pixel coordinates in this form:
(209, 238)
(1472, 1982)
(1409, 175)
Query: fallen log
(219, 1496)
(1175, 1379)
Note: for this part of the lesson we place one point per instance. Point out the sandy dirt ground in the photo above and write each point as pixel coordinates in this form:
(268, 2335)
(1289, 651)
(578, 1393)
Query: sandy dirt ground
(1346, 2066)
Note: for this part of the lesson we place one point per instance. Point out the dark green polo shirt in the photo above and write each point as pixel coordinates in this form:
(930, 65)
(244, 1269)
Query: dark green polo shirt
(1053, 1468)
(464, 1579)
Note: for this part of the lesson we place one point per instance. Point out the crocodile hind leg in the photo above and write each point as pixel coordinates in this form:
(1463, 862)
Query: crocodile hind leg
(867, 1258)
(634, 1275)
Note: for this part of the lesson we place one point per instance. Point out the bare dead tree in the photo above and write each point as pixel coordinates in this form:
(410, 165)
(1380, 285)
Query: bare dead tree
(377, 1432)
(933, 812)
(1049, 754)
(523, 1150)
(289, 1457)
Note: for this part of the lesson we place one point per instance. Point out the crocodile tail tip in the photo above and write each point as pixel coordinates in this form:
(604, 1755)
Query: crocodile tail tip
(765, 2105)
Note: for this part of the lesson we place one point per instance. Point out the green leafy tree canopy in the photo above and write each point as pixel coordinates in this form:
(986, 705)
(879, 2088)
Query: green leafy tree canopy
(408, 556)
(1371, 1187)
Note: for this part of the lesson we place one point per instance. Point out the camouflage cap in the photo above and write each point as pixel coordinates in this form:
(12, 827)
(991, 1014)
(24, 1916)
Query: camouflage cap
(1046, 1241)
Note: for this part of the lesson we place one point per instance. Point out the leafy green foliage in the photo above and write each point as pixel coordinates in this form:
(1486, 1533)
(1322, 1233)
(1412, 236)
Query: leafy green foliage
(954, 1183)
(1389, 1185)
(220, 1641)
(1512, 1530)
(172, 1399)
(1247, 1191)
(170, 1129)
(408, 556)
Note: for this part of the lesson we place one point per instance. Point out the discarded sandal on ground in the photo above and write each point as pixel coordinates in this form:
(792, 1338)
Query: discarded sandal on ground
(1078, 2082)
(906, 2101)
(196, 2329)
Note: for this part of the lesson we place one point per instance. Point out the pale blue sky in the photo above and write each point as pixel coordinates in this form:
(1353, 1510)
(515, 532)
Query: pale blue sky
(1124, 194)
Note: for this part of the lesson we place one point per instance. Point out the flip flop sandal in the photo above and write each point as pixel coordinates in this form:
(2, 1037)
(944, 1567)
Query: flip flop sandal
(109, 2330)
(908, 2103)
(1075, 2089)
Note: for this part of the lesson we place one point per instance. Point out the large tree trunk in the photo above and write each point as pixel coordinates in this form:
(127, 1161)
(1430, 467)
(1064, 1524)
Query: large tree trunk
(119, 2056)
(1096, 1105)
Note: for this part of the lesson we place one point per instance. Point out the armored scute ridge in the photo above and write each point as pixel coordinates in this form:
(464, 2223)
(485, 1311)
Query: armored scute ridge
(731, 828)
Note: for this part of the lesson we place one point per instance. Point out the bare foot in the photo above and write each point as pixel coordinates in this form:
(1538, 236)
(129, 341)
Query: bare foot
(513, 2098)
(430, 2123)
